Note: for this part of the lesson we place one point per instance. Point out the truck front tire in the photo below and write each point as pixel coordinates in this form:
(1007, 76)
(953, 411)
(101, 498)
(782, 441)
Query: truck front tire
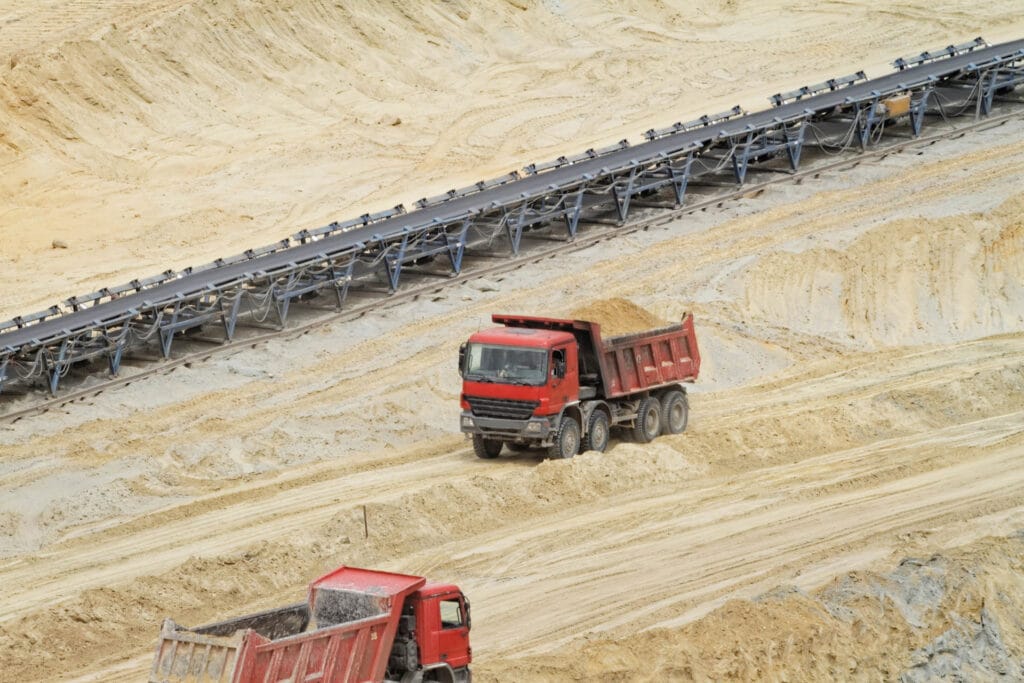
(647, 424)
(567, 440)
(488, 449)
(675, 412)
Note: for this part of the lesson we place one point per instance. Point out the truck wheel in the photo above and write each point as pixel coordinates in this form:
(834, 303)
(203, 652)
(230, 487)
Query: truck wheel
(597, 432)
(675, 412)
(647, 424)
(567, 441)
(487, 449)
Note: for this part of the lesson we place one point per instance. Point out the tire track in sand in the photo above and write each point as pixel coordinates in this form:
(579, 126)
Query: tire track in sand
(670, 558)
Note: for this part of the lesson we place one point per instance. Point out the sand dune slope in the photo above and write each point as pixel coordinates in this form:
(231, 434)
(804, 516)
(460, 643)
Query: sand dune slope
(162, 134)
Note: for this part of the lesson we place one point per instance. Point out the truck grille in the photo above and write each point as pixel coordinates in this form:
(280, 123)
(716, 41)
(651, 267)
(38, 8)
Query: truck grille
(497, 407)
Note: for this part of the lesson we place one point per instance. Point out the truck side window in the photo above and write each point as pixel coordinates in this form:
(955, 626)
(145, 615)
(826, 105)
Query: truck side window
(558, 364)
(451, 614)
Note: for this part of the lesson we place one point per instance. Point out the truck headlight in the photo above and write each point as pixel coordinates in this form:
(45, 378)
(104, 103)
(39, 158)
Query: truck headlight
(533, 426)
(467, 421)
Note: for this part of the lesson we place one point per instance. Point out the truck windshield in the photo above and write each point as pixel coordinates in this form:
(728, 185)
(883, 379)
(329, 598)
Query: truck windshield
(506, 364)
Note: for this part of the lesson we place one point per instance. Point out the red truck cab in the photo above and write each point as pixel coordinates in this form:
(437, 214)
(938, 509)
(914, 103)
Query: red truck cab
(442, 626)
(551, 383)
(512, 374)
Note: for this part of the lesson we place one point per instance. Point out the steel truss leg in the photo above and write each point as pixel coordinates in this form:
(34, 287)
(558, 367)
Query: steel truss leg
(572, 216)
(680, 178)
(979, 95)
(988, 94)
(344, 277)
(740, 161)
(114, 356)
(3, 372)
(795, 145)
(515, 232)
(393, 263)
(918, 110)
(57, 366)
(870, 122)
(623, 197)
(229, 317)
(282, 303)
(167, 332)
(456, 251)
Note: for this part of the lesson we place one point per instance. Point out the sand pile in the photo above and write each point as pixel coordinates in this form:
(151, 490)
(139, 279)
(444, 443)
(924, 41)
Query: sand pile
(954, 615)
(617, 316)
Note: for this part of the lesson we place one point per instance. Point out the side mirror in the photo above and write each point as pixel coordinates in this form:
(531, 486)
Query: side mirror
(462, 360)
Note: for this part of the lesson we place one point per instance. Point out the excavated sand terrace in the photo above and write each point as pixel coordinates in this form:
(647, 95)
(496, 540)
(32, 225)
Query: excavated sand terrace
(847, 503)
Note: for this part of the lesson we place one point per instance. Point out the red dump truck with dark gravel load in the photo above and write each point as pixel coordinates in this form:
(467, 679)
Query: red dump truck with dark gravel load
(369, 626)
(555, 384)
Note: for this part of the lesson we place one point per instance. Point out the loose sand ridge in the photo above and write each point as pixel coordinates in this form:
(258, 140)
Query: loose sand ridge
(862, 337)
(944, 615)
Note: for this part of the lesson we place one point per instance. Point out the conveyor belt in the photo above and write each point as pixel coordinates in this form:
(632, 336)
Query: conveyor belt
(188, 285)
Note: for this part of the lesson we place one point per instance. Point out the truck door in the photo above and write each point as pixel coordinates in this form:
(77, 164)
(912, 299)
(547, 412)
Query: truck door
(564, 377)
(453, 637)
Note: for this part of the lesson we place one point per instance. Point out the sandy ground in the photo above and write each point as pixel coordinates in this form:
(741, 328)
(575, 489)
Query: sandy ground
(847, 502)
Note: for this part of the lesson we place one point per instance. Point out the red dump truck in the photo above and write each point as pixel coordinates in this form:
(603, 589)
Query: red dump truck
(369, 626)
(555, 384)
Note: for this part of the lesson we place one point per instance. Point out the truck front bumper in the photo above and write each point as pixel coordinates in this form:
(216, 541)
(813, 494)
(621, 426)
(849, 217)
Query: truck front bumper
(535, 428)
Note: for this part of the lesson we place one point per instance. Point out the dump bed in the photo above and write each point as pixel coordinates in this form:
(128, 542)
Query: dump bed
(647, 360)
(356, 613)
(630, 363)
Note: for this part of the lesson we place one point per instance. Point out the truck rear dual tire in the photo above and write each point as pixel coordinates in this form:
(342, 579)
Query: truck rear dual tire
(675, 412)
(488, 449)
(647, 424)
(567, 439)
